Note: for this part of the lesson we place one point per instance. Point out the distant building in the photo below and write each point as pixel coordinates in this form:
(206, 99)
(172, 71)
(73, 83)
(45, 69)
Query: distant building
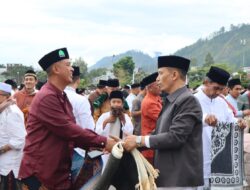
(11, 65)
(246, 69)
(2, 77)
(2, 70)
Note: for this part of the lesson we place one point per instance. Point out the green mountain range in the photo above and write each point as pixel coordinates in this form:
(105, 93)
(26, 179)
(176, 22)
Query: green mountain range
(231, 47)
(142, 60)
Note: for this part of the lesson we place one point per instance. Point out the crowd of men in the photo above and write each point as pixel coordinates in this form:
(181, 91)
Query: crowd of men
(45, 134)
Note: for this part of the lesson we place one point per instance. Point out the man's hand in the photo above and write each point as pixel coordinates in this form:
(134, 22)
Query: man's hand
(130, 143)
(242, 123)
(246, 112)
(110, 119)
(110, 143)
(211, 120)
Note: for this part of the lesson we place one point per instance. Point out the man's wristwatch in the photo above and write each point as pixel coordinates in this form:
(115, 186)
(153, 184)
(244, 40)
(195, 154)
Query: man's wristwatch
(138, 141)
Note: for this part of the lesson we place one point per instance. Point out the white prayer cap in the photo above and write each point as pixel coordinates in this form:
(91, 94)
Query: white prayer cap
(5, 87)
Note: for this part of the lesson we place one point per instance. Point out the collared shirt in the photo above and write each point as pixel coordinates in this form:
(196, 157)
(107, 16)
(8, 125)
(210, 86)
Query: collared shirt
(12, 132)
(130, 99)
(24, 99)
(81, 111)
(136, 106)
(51, 136)
(233, 102)
(150, 109)
(177, 141)
(243, 101)
(219, 108)
(127, 128)
(113, 129)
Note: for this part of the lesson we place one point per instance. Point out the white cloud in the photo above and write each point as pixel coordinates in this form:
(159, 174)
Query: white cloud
(97, 28)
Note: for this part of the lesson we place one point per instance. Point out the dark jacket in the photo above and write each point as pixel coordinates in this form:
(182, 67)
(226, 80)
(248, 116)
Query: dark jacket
(178, 141)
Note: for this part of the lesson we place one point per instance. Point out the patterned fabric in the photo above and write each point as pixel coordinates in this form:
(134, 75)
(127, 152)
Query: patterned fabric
(227, 156)
(89, 173)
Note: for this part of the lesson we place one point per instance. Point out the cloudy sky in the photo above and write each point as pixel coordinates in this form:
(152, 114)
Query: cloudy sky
(97, 28)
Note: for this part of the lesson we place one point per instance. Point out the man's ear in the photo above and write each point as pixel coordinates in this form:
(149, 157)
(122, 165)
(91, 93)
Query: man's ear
(205, 83)
(175, 74)
(56, 68)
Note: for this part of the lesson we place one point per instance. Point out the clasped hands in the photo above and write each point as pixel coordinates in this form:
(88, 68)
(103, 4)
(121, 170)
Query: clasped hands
(129, 143)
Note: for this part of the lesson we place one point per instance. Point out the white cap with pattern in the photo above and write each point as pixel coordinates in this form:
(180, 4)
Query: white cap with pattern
(5, 87)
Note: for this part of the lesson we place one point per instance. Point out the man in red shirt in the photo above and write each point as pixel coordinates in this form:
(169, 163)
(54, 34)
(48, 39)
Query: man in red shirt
(25, 96)
(52, 132)
(150, 110)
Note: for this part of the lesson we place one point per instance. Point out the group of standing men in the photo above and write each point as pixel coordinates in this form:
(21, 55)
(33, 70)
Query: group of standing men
(176, 129)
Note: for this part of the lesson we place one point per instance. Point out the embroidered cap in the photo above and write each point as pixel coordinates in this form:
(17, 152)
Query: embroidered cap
(30, 73)
(53, 57)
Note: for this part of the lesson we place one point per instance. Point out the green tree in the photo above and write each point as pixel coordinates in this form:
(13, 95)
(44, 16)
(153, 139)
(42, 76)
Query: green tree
(209, 60)
(139, 76)
(82, 65)
(83, 70)
(194, 62)
(123, 69)
(96, 73)
(2, 66)
(41, 76)
(17, 72)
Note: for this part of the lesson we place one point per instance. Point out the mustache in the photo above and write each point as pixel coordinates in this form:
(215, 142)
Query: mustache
(117, 111)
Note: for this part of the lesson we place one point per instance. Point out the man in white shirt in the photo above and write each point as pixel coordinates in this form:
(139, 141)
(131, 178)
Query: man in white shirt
(12, 137)
(83, 117)
(215, 110)
(234, 92)
(114, 122)
(135, 89)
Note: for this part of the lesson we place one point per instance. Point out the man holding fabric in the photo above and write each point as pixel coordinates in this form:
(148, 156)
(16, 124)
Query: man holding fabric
(177, 139)
(52, 132)
(215, 110)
